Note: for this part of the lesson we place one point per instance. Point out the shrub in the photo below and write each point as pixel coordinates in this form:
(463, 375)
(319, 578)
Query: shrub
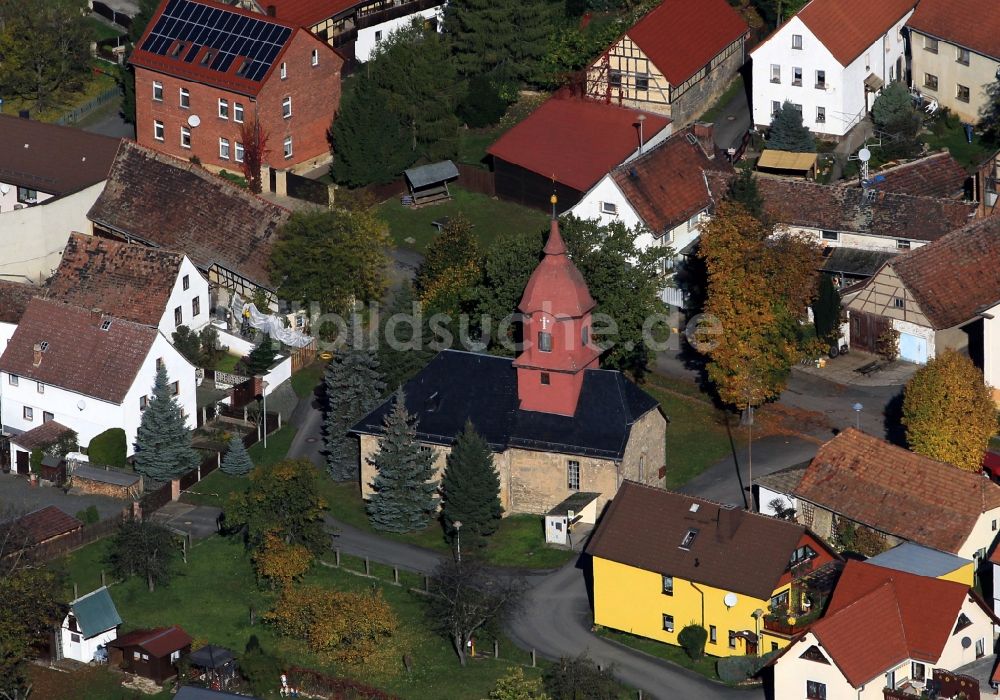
(483, 104)
(109, 448)
(693, 638)
(736, 669)
(89, 515)
(35, 461)
(259, 668)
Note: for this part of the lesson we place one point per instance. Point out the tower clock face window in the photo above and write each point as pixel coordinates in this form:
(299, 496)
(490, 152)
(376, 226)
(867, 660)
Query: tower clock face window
(545, 341)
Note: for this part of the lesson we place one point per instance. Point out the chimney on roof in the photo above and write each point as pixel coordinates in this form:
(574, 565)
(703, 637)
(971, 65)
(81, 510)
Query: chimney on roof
(37, 359)
(705, 133)
(729, 520)
(95, 316)
(272, 11)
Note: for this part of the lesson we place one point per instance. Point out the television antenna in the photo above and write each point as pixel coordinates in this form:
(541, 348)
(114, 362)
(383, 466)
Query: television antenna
(864, 155)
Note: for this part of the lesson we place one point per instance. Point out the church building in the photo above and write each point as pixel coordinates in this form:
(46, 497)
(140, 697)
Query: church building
(557, 423)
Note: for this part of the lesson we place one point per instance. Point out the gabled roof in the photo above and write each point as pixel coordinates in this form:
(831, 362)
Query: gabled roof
(955, 277)
(42, 525)
(95, 612)
(733, 549)
(14, 298)
(936, 175)
(80, 355)
(973, 24)
(666, 186)
(214, 44)
(169, 203)
(123, 280)
(834, 208)
(158, 642)
(682, 37)
(41, 437)
(575, 141)
(878, 618)
(848, 27)
(896, 491)
(916, 559)
(457, 386)
(50, 158)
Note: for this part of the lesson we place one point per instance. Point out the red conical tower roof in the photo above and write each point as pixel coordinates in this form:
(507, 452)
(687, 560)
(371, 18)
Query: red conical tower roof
(556, 286)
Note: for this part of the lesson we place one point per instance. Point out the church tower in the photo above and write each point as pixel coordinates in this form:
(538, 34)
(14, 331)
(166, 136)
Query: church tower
(557, 346)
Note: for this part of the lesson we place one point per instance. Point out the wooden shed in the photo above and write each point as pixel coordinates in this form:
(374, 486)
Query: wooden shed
(429, 183)
(151, 653)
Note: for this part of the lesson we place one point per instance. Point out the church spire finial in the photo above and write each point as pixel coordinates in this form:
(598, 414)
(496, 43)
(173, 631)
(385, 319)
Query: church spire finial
(554, 245)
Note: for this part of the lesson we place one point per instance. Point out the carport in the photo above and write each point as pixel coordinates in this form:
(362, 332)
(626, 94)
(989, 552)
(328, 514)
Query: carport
(429, 183)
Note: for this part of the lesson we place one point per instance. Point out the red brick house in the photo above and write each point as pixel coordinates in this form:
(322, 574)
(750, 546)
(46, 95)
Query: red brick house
(203, 69)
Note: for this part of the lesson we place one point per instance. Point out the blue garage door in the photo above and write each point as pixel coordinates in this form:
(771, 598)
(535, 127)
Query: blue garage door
(913, 348)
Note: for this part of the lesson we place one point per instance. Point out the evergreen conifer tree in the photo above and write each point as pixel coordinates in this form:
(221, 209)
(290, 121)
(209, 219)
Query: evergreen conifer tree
(403, 498)
(369, 144)
(237, 460)
(163, 443)
(354, 386)
(470, 489)
(826, 309)
(743, 189)
(261, 357)
(403, 343)
(788, 133)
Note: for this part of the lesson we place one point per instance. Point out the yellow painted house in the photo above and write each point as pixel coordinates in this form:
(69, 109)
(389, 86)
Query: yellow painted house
(663, 560)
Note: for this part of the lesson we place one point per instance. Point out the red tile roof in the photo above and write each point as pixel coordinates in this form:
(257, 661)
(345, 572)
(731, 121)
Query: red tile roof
(14, 298)
(879, 617)
(158, 642)
(681, 37)
(307, 13)
(126, 281)
(937, 175)
(848, 27)
(44, 524)
(195, 72)
(80, 357)
(50, 158)
(896, 491)
(667, 185)
(957, 276)
(575, 141)
(810, 204)
(973, 24)
(170, 203)
(733, 549)
(41, 437)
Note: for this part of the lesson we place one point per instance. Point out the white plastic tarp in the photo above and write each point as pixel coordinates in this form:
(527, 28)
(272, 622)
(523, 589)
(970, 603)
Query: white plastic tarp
(274, 326)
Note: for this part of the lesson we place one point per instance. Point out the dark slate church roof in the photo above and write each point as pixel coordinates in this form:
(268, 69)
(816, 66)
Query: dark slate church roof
(457, 386)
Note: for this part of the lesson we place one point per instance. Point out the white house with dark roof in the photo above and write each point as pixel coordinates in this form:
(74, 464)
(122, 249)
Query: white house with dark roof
(85, 370)
(92, 622)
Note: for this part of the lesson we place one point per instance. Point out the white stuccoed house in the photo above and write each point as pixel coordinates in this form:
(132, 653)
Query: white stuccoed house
(92, 621)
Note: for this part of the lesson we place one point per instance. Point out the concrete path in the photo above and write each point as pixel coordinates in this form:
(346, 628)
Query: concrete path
(849, 146)
(732, 121)
(198, 521)
(351, 540)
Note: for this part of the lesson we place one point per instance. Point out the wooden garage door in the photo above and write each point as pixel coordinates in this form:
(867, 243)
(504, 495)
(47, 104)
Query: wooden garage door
(866, 329)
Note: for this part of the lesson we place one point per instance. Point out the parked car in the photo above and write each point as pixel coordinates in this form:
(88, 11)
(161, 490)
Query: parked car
(991, 465)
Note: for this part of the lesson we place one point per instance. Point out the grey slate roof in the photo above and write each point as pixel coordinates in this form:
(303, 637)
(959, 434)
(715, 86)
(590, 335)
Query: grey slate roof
(917, 559)
(431, 174)
(107, 476)
(95, 612)
(457, 386)
(855, 261)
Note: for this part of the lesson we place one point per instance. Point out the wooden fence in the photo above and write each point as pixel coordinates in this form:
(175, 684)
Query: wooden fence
(53, 549)
(155, 499)
(303, 356)
(307, 190)
(476, 179)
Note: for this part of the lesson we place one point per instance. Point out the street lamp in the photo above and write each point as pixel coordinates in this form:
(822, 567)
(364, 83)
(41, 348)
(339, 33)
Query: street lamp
(857, 410)
(641, 118)
(263, 390)
(458, 540)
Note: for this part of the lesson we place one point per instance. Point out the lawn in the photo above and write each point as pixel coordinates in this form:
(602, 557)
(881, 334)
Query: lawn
(100, 31)
(472, 143)
(220, 613)
(952, 136)
(305, 380)
(696, 435)
(227, 363)
(98, 80)
(411, 228)
(90, 683)
(277, 446)
(668, 652)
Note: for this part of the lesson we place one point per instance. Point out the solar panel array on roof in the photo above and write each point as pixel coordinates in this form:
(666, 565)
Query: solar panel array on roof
(214, 37)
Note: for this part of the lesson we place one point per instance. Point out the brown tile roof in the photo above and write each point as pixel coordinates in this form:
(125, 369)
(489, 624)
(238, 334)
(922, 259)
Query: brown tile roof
(42, 436)
(682, 37)
(733, 550)
(956, 276)
(169, 203)
(878, 618)
(795, 202)
(848, 27)
(126, 281)
(14, 298)
(51, 158)
(897, 491)
(973, 24)
(80, 356)
(158, 642)
(937, 175)
(667, 185)
(44, 524)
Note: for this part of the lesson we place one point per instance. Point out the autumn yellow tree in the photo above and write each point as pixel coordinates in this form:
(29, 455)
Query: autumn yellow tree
(948, 411)
(280, 563)
(347, 627)
(758, 289)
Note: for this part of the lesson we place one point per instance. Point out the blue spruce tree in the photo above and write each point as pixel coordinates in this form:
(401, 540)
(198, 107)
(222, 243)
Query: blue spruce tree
(163, 442)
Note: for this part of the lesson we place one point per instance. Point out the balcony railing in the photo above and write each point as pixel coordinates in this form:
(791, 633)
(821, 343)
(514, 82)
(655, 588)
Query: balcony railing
(403, 9)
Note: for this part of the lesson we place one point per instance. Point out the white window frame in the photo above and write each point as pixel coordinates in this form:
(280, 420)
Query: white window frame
(238, 112)
(927, 82)
(962, 56)
(668, 622)
(315, 57)
(903, 244)
(284, 70)
(224, 148)
(13, 379)
(930, 44)
(184, 98)
(185, 137)
(797, 42)
(609, 208)
(820, 82)
(28, 413)
(157, 91)
(829, 235)
(820, 114)
(573, 474)
(39, 387)
(797, 71)
(776, 73)
(223, 108)
(287, 147)
(158, 130)
(286, 107)
(238, 152)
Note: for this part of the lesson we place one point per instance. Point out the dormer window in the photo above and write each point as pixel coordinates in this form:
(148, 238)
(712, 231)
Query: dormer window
(207, 58)
(178, 50)
(43, 346)
(689, 538)
(105, 324)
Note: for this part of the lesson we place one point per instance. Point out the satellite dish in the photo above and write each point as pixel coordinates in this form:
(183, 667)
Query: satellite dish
(864, 155)
(730, 600)
(81, 404)
(194, 120)
(966, 642)
(4, 189)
